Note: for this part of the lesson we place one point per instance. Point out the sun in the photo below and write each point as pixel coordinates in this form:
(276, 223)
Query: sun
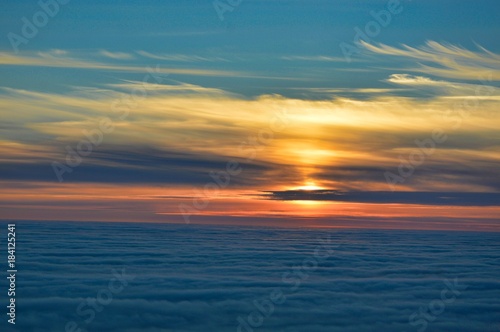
(310, 186)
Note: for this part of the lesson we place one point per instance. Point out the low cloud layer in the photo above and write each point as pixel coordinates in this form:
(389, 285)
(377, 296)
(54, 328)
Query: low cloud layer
(204, 278)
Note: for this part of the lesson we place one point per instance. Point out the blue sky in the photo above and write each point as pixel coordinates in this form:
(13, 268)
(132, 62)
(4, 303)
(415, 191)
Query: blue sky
(253, 38)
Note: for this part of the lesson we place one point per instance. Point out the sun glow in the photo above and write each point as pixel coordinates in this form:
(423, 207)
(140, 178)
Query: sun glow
(309, 186)
(309, 203)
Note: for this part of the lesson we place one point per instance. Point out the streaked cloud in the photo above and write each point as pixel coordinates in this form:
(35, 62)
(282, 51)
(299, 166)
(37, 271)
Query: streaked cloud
(413, 80)
(179, 57)
(442, 87)
(116, 55)
(452, 61)
(180, 131)
(388, 197)
(324, 58)
(167, 88)
(328, 140)
(50, 60)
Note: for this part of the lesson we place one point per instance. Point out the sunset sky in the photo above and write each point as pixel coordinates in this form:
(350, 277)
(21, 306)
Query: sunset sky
(351, 114)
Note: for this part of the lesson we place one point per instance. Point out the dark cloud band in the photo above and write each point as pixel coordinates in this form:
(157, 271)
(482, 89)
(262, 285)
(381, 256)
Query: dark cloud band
(388, 197)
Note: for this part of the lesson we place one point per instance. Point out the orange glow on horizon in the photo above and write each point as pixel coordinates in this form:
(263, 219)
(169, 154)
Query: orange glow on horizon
(143, 203)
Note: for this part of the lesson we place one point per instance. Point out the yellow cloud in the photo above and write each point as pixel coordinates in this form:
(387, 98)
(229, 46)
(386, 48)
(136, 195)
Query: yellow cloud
(42, 59)
(453, 61)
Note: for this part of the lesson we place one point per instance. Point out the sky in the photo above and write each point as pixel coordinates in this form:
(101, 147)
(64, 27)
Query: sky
(342, 114)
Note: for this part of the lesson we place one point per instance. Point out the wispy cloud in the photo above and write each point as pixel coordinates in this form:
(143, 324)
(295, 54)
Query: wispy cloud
(179, 57)
(42, 59)
(324, 58)
(116, 55)
(447, 88)
(62, 59)
(168, 88)
(327, 140)
(407, 79)
(187, 33)
(452, 61)
(346, 91)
